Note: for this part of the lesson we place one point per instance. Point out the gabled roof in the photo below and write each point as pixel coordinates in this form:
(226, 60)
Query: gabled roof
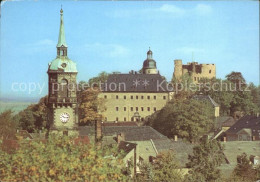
(132, 133)
(206, 98)
(126, 146)
(249, 122)
(135, 82)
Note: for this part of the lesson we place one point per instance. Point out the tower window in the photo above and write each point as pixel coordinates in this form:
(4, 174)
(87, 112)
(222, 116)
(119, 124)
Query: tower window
(116, 96)
(124, 96)
(124, 108)
(142, 108)
(116, 118)
(142, 97)
(124, 118)
(154, 97)
(132, 97)
(136, 97)
(154, 109)
(164, 97)
(136, 108)
(148, 108)
(209, 71)
(148, 97)
(132, 109)
(117, 108)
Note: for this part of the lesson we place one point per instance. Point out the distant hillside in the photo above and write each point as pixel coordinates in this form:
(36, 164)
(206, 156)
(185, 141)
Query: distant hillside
(14, 106)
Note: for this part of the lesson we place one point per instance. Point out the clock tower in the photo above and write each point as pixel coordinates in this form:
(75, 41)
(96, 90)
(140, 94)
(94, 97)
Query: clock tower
(62, 94)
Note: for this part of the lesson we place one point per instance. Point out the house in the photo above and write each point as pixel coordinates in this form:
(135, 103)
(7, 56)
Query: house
(210, 101)
(148, 141)
(246, 128)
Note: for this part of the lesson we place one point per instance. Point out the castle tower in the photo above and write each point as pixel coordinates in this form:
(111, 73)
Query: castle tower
(149, 65)
(62, 96)
(177, 69)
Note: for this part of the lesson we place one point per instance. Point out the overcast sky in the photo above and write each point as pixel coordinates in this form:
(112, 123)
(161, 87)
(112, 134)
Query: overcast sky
(115, 36)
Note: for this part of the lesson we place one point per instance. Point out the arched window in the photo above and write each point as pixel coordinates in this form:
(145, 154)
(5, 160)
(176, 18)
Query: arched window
(63, 88)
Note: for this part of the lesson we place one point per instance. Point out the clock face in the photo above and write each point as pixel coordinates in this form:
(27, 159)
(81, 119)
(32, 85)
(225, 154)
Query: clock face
(64, 117)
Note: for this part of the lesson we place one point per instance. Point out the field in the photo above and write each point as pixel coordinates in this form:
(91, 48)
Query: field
(14, 106)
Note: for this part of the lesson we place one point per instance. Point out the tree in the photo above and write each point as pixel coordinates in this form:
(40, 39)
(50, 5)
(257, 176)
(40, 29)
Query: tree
(34, 117)
(59, 159)
(91, 106)
(244, 169)
(204, 163)
(7, 125)
(164, 168)
(236, 78)
(101, 78)
(187, 118)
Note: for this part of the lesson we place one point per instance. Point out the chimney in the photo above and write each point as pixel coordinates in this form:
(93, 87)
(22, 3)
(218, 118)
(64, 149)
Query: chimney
(175, 138)
(225, 139)
(98, 130)
(120, 137)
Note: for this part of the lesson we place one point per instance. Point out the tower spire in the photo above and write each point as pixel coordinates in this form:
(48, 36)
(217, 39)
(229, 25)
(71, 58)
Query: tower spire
(62, 40)
(61, 46)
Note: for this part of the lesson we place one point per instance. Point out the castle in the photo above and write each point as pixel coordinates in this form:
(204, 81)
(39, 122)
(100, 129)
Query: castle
(134, 96)
(194, 70)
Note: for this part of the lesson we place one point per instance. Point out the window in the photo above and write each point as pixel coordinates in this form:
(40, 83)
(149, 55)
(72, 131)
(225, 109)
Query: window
(154, 109)
(148, 108)
(154, 97)
(164, 97)
(124, 96)
(116, 96)
(209, 71)
(132, 118)
(148, 97)
(117, 108)
(142, 97)
(124, 108)
(136, 108)
(116, 118)
(136, 97)
(195, 78)
(105, 96)
(142, 119)
(124, 118)
(132, 109)
(132, 97)
(142, 108)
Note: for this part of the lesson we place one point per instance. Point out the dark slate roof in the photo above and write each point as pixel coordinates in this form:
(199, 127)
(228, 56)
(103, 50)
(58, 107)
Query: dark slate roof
(250, 122)
(132, 133)
(126, 123)
(135, 82)
(224, 121)
(206, 98)
(126, 146)
(163, 144)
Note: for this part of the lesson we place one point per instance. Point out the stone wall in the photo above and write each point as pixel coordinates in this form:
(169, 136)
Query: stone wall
(195, 70)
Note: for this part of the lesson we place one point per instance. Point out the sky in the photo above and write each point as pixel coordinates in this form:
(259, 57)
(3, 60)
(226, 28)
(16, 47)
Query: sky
(115, 36)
